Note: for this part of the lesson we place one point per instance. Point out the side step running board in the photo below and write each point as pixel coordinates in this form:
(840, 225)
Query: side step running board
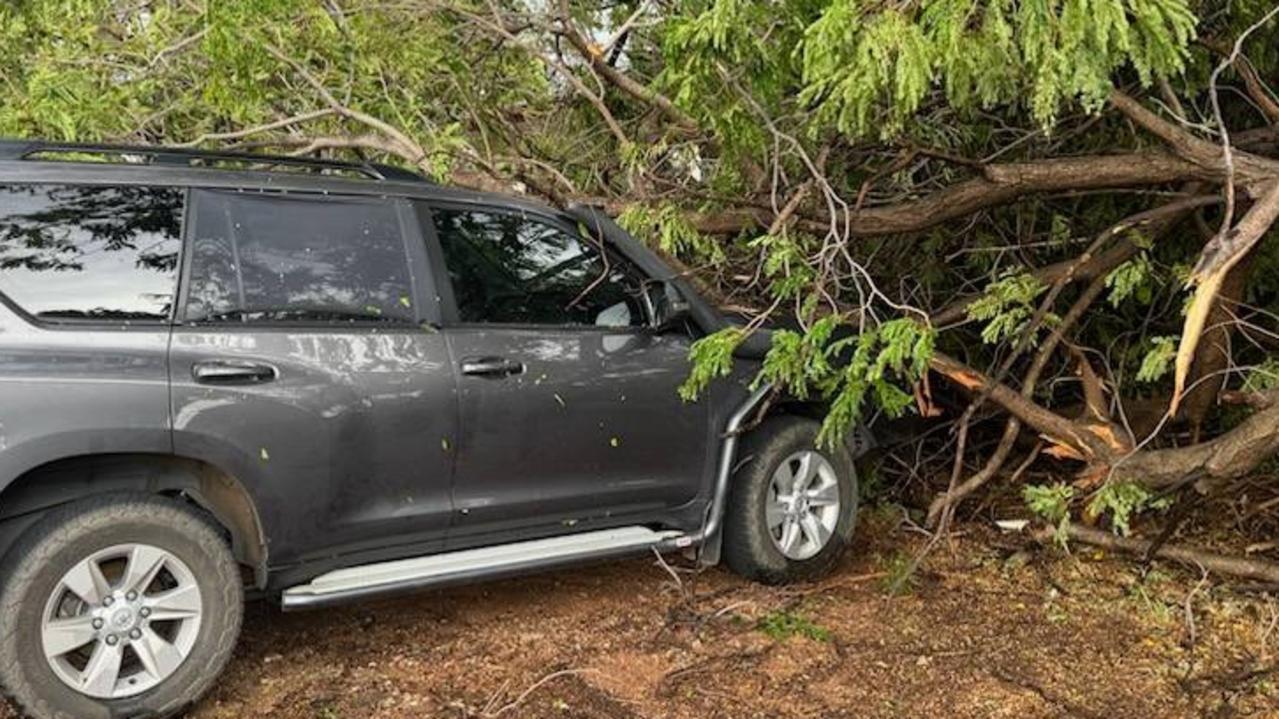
(436, 570)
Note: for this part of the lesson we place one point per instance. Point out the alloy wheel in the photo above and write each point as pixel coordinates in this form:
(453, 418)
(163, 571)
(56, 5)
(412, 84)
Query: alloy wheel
(121, 621)
(802, 510)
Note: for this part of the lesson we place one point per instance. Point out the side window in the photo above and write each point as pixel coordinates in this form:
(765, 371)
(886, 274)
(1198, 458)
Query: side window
(510, 269)
(278, 258)
(71, 253)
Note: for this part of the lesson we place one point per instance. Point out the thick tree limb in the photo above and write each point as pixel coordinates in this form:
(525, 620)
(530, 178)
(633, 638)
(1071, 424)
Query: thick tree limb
(1072, 438)
(1199, 559)
(1213, 356)
(1253, 173)
(1229, 456)
(1258, 140)
(999, 184)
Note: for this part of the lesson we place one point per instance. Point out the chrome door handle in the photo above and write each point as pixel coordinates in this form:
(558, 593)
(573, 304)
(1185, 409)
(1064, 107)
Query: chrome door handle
(232, 372)
(491, 366)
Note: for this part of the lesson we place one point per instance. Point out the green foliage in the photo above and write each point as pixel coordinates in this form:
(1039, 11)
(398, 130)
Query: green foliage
(673, 233)
(1158, 360)
(1145, 593)
(882, 360)
(1119, 500)
(854, 62)
(900, 575)
(711, 357)
(785, 264)
(782, 625)
(1263, 377)
(870, 66)
(1134, 278)
(90, 70)
(1052, 503)
(1007, 306)
(842, 371)
(1122, 500)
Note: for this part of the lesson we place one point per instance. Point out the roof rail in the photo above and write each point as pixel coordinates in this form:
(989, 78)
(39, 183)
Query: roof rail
(13, 149)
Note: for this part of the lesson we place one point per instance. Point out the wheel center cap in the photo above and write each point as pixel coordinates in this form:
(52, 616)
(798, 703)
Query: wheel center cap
(122, 618)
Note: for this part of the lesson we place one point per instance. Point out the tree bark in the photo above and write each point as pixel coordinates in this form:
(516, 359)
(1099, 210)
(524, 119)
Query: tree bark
(1000, 184)
(1229, 456)
(1219, 256)
(1071, 439)
(1233, 566)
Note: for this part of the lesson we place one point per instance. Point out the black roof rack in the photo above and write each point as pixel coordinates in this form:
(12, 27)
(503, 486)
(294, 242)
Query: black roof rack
(25, 149)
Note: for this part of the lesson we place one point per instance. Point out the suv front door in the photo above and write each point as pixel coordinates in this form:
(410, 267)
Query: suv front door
(304, 364)
(569, 411)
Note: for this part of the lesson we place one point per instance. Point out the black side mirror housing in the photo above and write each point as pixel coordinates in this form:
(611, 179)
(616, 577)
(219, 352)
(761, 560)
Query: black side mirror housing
(670, 309)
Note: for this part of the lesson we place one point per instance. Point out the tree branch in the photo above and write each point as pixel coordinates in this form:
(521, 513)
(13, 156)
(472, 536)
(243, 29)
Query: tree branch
(1074, 439)
(1199, 559)
(1254, 173)
(595, 56)
(259, 129)
(402, 145)
(1252, 82)
(1000, 184)
(1090, 265)
(1221, 254)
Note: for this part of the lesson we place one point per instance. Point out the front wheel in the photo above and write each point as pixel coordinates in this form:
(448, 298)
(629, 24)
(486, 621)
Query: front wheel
(115, 606)
(792, 506)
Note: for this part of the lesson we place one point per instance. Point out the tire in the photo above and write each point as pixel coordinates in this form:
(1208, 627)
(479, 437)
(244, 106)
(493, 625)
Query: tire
(177, 547)
(751, 548)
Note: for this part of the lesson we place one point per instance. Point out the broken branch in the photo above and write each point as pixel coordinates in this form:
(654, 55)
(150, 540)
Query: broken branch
(1221, 254)
(1221, 564)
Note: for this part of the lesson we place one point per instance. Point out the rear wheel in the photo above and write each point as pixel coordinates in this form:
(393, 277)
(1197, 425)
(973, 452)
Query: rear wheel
(792, 506)
(119, 605)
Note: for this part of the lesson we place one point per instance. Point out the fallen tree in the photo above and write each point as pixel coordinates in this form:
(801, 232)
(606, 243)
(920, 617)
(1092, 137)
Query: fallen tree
(1005, 201)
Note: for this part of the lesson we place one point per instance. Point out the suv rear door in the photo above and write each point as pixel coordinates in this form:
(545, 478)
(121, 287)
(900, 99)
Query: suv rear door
(568, 401)
(304, 362)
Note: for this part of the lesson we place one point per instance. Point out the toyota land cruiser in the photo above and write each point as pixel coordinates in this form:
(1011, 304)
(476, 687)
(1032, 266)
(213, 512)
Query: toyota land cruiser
(225, 375)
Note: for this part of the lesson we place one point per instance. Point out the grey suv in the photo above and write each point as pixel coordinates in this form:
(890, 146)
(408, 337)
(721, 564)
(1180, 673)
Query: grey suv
(228, 375)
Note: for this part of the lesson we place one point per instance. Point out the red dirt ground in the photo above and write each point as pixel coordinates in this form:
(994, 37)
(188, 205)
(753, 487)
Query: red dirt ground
(979, 635)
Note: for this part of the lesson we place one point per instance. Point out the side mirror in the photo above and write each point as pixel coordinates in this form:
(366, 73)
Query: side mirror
(669, 307)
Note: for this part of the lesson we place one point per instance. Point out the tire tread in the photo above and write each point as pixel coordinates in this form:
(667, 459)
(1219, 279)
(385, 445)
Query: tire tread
(747, 548)
(38, 546)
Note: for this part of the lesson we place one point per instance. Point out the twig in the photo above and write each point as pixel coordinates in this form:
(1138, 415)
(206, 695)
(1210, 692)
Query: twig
(1189, 606)
(679, 583)
(258, 129)
(536, 685)
(401, 144)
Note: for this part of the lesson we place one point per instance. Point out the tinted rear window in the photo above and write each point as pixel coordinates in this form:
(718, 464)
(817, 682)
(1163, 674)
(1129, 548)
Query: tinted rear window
(273, 258)
(75, 253)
